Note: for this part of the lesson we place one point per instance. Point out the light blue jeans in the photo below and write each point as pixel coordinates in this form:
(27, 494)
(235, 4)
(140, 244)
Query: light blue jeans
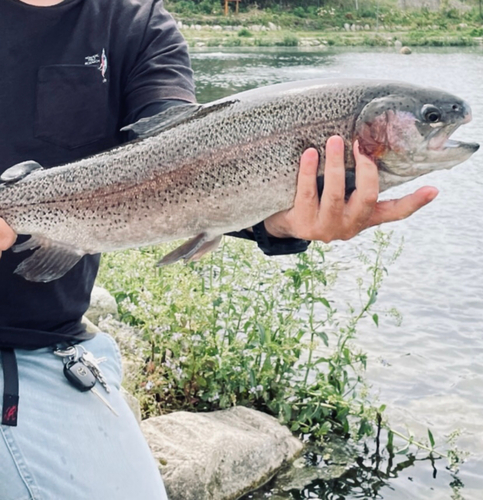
(68, 445)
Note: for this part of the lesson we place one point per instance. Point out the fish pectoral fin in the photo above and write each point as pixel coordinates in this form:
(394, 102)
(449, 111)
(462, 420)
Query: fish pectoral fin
(191, 250)
(51, 259)
(19, 171)
(173, 116)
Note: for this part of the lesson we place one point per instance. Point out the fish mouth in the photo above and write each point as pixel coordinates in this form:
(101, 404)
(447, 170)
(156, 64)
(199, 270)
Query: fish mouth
(441, 152)
(472, 147)
(437, 152)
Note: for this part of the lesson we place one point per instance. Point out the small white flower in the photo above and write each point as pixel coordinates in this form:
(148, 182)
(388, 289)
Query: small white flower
(149, 385)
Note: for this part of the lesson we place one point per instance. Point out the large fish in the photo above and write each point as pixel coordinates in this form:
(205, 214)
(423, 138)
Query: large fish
(199, 171)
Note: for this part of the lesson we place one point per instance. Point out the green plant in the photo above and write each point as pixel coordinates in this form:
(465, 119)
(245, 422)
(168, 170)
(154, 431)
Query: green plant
(245, 330)
(232, 42)
(289, 41)
(244, 32)
(299, 12)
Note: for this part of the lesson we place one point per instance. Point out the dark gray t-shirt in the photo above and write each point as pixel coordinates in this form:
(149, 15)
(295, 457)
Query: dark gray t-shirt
(71, 76)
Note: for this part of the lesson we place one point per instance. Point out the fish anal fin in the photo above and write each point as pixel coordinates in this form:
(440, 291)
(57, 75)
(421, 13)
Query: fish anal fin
(191, 249)
(172, 117)
(209, 246)
(50, 261)
(19, 171)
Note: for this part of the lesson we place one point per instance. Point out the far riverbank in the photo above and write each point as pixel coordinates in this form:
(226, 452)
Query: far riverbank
(328, 26)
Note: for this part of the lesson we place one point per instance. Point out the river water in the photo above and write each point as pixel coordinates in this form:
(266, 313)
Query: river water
(428, 370)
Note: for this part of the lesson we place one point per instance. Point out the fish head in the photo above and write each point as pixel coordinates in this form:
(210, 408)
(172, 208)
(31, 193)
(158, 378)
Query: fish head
(407, 132)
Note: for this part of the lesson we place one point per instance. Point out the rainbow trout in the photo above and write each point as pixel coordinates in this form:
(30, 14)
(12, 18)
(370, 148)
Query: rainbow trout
(199, 171)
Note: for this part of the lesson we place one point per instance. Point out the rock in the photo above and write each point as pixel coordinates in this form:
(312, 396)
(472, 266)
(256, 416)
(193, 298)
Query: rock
(200, 44)
(272, 26)
(126, 336)
(217, 27)
(353, 27)
(102, 304)
(90, 327)
(347, 26)
(398, 44)
(129, 342)
(340, 456)
(197, 27)
(133, 403)
(405, 50)
(220, 455)
(367, 27)
(180, 25)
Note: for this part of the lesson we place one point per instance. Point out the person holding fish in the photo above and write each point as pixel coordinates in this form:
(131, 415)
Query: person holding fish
(75, 72)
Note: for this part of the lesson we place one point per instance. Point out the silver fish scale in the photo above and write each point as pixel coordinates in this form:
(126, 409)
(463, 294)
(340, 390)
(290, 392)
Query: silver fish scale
(223, 172)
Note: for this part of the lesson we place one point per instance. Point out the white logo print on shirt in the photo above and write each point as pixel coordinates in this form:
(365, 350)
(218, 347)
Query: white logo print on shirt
(99, 60)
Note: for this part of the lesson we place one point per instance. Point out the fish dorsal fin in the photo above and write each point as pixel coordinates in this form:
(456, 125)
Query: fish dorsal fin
(172, 117)
(19, 171)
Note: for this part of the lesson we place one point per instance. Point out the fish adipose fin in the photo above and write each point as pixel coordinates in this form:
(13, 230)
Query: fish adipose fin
(172, 117)
(193, 249)
(19, 171)
(51, 259)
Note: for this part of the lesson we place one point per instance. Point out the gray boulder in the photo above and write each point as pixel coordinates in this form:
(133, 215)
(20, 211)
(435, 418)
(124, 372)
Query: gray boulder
(133, 404)
(102, 304)
(218, 456)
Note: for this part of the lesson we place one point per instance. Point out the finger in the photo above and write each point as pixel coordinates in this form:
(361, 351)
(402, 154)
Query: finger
(363, 201)
(7, 235)
(393, 210)
(332, 201)
(307, 178)
(303, 215)
(306, 201)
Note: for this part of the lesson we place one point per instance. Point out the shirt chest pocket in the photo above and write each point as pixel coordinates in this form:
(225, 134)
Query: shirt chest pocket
(71, 106)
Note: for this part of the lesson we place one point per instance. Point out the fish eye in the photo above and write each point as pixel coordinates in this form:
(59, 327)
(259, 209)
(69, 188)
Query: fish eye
(431, 113)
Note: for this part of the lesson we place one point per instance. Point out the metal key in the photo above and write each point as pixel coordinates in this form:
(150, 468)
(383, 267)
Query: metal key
(93, 364)
(67, 353)
(83, 379)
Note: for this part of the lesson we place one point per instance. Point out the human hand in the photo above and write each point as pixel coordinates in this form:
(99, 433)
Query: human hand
(332, 218)
(7, 236)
